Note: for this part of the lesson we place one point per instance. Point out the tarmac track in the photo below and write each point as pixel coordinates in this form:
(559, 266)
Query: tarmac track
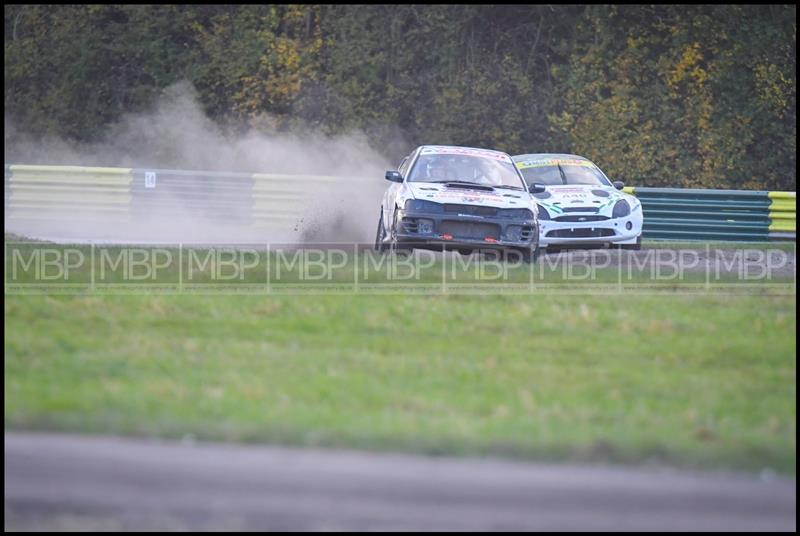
(64, 482)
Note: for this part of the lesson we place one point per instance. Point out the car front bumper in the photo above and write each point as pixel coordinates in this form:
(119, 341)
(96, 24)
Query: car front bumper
(451, 230)
(625, 230)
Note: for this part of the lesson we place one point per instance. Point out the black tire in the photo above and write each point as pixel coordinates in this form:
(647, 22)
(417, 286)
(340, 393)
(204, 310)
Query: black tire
(492, 254)
(530, 255)
(380, 245)
(526, 255)
(395, 246)
(634, 247)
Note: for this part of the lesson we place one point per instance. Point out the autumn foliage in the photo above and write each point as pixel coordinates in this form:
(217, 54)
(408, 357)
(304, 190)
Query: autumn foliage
(696, 96)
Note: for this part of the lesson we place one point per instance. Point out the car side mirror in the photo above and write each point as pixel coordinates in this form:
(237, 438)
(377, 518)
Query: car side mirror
(394, 176)
(619, 185)
(536, 188)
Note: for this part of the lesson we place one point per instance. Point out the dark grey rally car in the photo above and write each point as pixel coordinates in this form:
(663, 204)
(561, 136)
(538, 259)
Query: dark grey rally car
(460, 198)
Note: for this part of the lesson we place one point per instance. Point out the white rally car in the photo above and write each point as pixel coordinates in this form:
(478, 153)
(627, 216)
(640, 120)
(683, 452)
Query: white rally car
(579, 204)
(458, 198)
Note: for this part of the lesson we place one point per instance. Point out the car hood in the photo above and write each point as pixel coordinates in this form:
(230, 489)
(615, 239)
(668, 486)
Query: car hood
(442, 193)
(596, 199)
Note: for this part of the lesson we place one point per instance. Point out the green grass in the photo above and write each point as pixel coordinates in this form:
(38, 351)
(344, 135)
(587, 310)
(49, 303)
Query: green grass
(696, 381)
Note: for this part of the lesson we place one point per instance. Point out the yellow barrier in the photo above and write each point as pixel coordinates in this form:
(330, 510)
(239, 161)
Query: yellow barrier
(68, 192)
(783, 212)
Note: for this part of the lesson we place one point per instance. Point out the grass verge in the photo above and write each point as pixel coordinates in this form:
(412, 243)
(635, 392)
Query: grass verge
(697, 381)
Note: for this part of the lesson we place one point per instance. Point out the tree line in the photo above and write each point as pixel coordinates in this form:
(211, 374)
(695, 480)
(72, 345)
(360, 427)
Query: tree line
(657, 95)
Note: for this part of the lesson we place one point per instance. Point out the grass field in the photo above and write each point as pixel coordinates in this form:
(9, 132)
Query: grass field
(705, 379)
(697, 381)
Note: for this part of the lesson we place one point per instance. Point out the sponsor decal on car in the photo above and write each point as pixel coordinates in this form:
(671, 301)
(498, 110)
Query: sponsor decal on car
(468, 152)
(459, 196)
(572, 192)
(554, 162)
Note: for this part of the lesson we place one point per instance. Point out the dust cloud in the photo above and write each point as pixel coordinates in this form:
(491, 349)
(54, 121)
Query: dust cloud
(177, 134)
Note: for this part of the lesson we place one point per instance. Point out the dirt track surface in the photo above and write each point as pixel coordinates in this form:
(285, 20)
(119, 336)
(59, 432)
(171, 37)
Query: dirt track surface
(61, 482)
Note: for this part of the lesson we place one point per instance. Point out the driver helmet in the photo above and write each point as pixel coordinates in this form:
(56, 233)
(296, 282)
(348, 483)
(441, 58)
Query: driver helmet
(438, 169)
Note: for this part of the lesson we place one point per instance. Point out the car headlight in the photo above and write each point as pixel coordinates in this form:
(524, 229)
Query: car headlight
(517, 213)
(514, 233)
(419, 205)
(621, 209)
(543, 214)
(424, 226)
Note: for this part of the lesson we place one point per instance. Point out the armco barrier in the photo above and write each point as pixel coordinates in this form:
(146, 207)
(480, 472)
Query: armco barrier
(257, 199)
(697, 214)
(103, 195)
(67, 193)
(783, 215)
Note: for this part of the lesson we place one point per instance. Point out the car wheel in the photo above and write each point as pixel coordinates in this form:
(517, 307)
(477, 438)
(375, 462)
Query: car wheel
(492, 255)
(634, 247)
(526, 255)
(394, 245)
(530, 255)
(380, 236)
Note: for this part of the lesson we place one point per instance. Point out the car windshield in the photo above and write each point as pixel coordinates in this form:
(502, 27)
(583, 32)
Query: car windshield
(554, 172)
(487, 171)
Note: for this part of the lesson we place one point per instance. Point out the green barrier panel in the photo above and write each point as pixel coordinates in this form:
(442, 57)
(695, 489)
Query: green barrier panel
(697, 214)
(678, 203)
(689, 235)
(665, 212)
(722, 225)
(700, 192)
